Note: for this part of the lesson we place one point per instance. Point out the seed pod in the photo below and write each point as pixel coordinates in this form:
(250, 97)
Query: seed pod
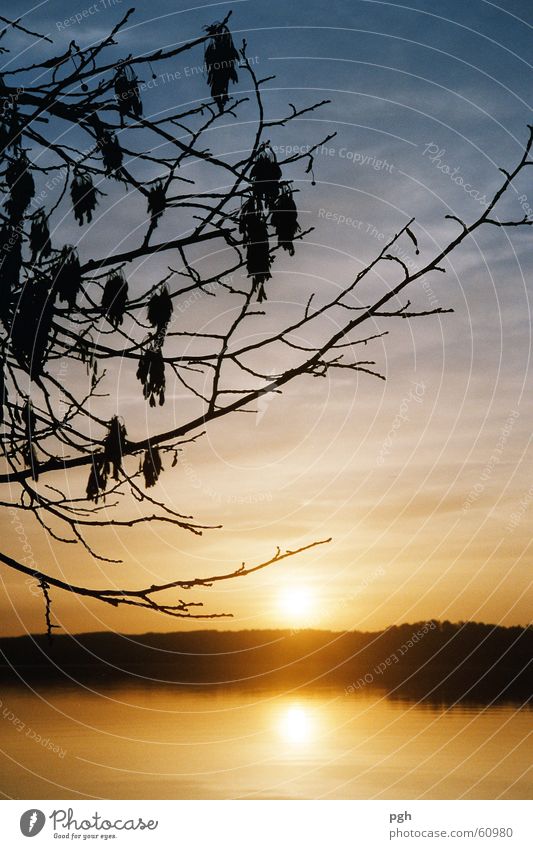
(83, 196)
(21, 186)
(253, 226)
(114, 444)
(156, 202)
(127, 93)
(40, 236)
(67, 276)
(109, 461)
(151, 467)
(250, 220)
(221, 60)
(284, 219)
(115, 298)
(30, 458)
(266, 174)
(151, 373)
(111, 154)
(97, 483)
(160, 310)
(32, 324)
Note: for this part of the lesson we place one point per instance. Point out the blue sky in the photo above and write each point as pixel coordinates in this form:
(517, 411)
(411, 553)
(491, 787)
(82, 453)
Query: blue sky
(418, 91)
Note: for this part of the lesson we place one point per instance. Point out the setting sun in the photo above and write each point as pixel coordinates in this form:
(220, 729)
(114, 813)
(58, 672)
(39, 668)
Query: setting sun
(265, 475)
(297, 603)
(296, 725)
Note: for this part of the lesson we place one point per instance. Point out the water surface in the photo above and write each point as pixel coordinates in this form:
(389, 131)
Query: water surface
(157, 742)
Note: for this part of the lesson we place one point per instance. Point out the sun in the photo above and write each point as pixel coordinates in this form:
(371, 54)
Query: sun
(296, 725)
(296, 603)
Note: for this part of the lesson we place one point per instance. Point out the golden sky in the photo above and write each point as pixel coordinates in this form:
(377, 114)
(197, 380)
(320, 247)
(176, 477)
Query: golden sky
(422, 481)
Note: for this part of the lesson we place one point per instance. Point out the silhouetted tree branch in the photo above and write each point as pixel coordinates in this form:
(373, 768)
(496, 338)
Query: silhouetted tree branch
(81, 123)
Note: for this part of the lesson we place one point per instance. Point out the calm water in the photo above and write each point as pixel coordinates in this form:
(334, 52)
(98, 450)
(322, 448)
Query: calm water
(150, 742)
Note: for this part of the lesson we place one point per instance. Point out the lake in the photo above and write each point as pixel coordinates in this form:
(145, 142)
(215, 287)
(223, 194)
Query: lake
(151, 742)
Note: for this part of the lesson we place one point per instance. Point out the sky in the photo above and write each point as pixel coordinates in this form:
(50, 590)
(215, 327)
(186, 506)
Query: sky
(422, 481)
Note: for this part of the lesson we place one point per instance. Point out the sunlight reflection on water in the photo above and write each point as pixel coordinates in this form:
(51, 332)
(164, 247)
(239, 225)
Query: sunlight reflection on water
(152, 742)
(297, 725)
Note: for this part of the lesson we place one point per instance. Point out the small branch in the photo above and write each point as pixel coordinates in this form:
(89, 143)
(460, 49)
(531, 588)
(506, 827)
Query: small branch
(47, 609)
(143, 597)
(17, 25)
(525, 220)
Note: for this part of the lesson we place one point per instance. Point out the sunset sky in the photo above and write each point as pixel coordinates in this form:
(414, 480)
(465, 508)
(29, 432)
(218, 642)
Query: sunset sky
(423, 481)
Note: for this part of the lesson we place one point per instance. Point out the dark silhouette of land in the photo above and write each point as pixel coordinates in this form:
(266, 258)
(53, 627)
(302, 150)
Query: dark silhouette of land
(435, 661)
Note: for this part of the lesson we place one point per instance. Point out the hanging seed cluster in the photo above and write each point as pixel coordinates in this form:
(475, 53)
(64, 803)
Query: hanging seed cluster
(156, 202)
(284, 218)
(67, 276)
(32, 310)
(271, 202)
(151, 367)
(151, 373)
(254, 230)
(24, 308)
(109, 147)
(115, 298)
(21, 186)
(151, 467)
(127, 93)
(32, 324)
(40, 243)
(83, 194)
(109, 462)
(221, 60)
(111, 154)
(160, 310)
(265, 175)
(27, 306)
